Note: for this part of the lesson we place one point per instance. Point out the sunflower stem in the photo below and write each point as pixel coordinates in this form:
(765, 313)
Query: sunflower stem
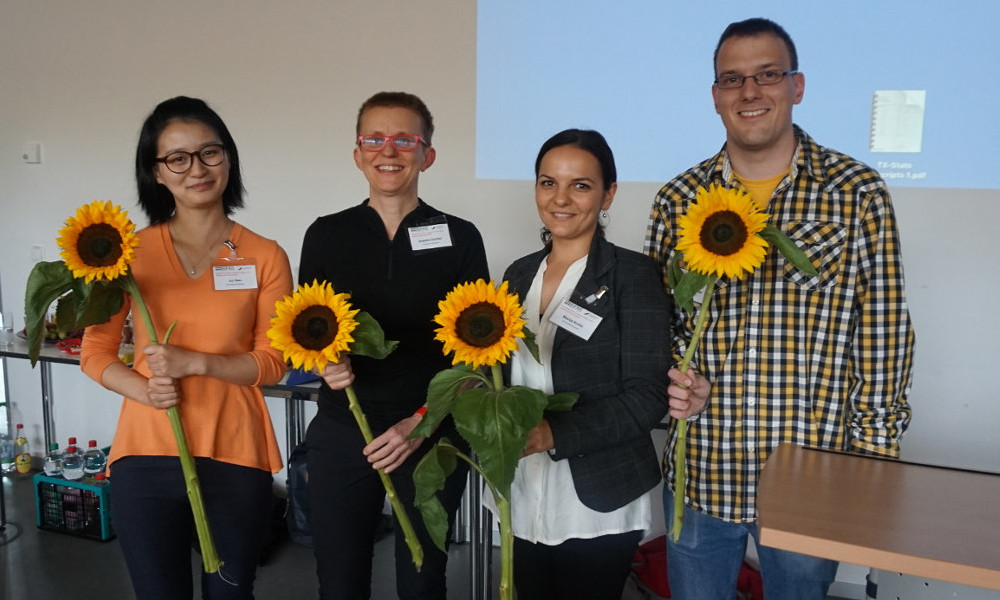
(416, 551)
(506, 550)
(680, 445)
(497, 378)
(209, 555)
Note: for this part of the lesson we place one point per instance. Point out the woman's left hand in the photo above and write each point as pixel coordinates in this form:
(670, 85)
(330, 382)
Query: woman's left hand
(170, 361)
(393, 447)
(539, 439)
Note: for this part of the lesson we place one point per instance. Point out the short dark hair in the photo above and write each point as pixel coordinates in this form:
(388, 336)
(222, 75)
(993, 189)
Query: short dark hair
(591, 142)
(752, 27)
(400, 100)
(154, 198)
(585, 139)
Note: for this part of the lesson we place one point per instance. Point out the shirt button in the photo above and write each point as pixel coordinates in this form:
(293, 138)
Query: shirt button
(755, 300)
(751, 401)
(752, 352)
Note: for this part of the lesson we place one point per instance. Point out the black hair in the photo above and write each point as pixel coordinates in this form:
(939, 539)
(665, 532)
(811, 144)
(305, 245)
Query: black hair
(757, 26)
(154, 198)
(594, 144)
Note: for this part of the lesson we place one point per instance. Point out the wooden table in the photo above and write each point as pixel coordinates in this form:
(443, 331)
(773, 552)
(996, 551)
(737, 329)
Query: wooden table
(934, 522)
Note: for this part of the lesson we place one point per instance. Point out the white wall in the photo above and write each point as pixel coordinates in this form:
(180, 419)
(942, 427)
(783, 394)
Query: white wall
(287, 77)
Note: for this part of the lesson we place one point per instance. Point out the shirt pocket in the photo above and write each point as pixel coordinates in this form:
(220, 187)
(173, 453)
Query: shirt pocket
(823, 244)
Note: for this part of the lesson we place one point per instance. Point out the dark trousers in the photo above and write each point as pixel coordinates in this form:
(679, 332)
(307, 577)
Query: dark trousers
(152, 516)
(577, 569)
(346, 497)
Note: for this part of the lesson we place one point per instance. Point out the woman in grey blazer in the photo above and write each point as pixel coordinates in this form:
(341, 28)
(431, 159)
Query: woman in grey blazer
(580, 503)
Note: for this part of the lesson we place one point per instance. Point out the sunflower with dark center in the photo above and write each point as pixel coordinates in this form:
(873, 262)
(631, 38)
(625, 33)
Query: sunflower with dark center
(479, 323)
(313, 326)
(98, 242)
(719, 233)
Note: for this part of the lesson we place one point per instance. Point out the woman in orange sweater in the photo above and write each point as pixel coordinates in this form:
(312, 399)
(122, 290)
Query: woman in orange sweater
(189, 182)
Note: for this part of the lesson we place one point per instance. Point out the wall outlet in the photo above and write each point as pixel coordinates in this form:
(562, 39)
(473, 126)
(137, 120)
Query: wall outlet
(32, 153)
(37, 253)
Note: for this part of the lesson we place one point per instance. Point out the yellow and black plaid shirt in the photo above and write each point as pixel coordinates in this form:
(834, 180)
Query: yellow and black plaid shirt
(822, 360)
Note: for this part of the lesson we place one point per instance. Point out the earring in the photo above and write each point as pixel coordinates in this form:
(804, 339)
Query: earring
(603, 218)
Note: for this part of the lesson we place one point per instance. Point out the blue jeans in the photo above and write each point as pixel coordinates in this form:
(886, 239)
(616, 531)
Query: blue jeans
(706, 560)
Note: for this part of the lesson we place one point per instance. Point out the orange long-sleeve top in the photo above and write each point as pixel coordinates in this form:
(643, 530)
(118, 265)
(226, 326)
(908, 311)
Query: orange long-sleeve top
(223, 421)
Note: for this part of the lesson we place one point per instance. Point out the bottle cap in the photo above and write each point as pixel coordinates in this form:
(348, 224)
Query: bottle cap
(72, 441)
(100, 477)
(53, 446)
(92, 443)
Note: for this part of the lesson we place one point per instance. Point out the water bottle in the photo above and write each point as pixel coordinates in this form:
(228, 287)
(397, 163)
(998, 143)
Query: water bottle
(73, 462)
(54, 461)
(6, 454)
(94, 461)
(22, 454)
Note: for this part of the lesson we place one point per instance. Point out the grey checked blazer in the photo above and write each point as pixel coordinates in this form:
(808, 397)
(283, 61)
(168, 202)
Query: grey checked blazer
(620, 374)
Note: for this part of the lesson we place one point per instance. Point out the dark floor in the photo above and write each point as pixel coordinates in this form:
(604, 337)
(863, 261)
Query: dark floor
(42, 565)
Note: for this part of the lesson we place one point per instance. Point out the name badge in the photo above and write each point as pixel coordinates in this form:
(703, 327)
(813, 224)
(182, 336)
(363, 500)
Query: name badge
(241, 275)
(427, 237)
(576, 319)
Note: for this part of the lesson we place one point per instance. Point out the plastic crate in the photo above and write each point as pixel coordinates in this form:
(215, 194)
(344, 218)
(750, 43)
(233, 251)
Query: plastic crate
(73, 507)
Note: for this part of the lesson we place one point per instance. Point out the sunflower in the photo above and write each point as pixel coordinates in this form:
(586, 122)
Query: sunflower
(313, 326)
(98, 242)
(719, 233)
(479, 323)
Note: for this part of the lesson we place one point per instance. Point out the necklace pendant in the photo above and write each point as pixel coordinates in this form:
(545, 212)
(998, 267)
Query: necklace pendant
(192, 270)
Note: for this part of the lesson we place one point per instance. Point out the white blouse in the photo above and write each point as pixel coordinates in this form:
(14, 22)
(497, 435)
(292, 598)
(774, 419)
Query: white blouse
(544, 505)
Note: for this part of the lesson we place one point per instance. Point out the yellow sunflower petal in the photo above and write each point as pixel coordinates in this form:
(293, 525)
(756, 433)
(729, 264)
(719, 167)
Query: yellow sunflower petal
(98, 242)
(480, 323)
(313, 326)
(719, 233)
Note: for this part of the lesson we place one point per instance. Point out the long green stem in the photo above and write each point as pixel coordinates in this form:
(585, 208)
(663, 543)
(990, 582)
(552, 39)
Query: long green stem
(497, 378)
(416, 551)
(680, 445)
(506, 550)
(209, 555)
(506, 532)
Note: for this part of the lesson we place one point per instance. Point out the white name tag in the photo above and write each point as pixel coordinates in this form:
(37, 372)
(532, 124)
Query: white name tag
(427, 237)
(575, 319)
(235, 276)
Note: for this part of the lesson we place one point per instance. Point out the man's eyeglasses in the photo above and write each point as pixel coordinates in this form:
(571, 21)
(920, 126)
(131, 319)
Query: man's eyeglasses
(404, 142)
(180, 161)
(732, 81)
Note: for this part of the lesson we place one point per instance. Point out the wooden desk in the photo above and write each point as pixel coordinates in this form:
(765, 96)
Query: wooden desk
(921, 520)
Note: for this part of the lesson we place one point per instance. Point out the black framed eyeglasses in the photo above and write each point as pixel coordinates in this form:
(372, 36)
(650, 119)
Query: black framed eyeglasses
(732, 81)
(180, 161)
(404, 142)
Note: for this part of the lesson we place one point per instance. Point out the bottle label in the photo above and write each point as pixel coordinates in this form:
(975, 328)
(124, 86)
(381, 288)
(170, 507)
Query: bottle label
(23, 462)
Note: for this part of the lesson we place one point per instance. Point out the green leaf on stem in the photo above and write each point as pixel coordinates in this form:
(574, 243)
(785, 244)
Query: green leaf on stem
(788, 249)
(441, 393)
(562, 401)
(690, 284)
(46, 282)
(369, 339)
(674, 271)
(496, 425)
(531, 344)
(429, 478)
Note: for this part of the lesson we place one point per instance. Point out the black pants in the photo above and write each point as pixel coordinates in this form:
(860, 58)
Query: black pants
(577, 569)
(346, 498)
(152, 516)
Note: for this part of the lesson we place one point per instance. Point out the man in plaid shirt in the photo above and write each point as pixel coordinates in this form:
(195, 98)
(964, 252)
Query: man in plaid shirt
(820, 360)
